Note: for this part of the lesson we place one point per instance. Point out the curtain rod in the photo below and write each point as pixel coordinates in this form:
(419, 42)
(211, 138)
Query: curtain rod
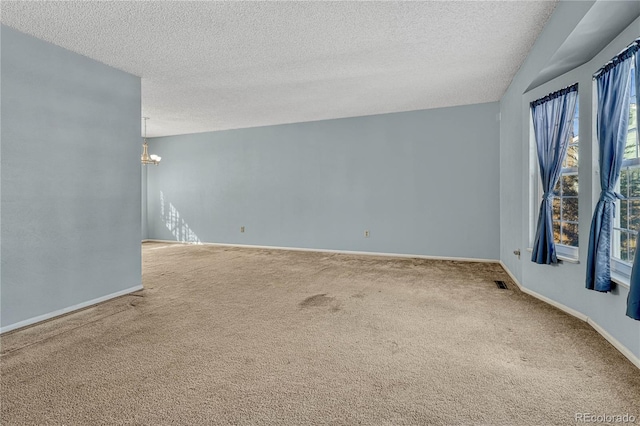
(620, 57)
(557, 94)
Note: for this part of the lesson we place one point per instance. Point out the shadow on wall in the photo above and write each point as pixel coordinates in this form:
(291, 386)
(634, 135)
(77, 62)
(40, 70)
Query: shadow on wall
(176, 224)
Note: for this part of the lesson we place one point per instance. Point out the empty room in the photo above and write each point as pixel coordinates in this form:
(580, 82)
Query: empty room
(310, 212)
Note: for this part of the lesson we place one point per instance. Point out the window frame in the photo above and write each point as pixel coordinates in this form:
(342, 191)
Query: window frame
(565, 249)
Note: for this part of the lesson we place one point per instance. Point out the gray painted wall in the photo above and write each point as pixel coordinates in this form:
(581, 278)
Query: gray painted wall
(70, 227)
(564, 283)
(422, 182)
(143, 184)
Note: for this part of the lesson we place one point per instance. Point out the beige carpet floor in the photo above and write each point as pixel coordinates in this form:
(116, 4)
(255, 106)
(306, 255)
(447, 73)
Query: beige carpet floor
(252, 336)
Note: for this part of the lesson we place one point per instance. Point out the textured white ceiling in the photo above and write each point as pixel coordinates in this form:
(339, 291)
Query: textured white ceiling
(224, 65)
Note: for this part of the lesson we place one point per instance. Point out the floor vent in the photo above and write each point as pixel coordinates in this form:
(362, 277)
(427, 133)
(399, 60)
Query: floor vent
(501, 285)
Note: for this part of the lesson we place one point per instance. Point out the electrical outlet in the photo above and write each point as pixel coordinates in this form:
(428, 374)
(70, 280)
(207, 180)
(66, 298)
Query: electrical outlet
(242, 229)
(366, 234)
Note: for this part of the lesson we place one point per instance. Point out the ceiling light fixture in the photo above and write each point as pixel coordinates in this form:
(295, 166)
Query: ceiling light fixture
(146, 158)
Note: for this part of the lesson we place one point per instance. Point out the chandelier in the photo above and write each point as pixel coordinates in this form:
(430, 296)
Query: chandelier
(146, 158)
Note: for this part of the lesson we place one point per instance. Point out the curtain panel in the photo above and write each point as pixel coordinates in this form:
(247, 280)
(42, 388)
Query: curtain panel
(613, 88)
(633, 299)
(552, 123)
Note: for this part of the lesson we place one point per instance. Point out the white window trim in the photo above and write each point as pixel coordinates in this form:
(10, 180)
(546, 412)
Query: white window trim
(621, 273)
(568, 253)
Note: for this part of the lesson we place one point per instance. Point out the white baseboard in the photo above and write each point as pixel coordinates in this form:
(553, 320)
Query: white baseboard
(365, 253)
(545, 299)
(616, 344)
(67, 310)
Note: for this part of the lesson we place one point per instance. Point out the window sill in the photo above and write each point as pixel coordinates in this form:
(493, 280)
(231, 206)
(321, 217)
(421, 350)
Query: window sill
(568, 259)
(620, 280)
(560, 257)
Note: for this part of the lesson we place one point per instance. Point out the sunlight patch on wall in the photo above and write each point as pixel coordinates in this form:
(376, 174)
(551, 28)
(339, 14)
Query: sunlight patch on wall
(176, 224)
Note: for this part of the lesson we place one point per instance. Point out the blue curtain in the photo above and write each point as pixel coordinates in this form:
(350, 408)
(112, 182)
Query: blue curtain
(633, 300)
(552, 122)
(613, 118)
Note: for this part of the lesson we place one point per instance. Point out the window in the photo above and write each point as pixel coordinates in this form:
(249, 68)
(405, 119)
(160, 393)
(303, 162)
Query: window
(627, 214)
(565, 201)
(564, 206)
